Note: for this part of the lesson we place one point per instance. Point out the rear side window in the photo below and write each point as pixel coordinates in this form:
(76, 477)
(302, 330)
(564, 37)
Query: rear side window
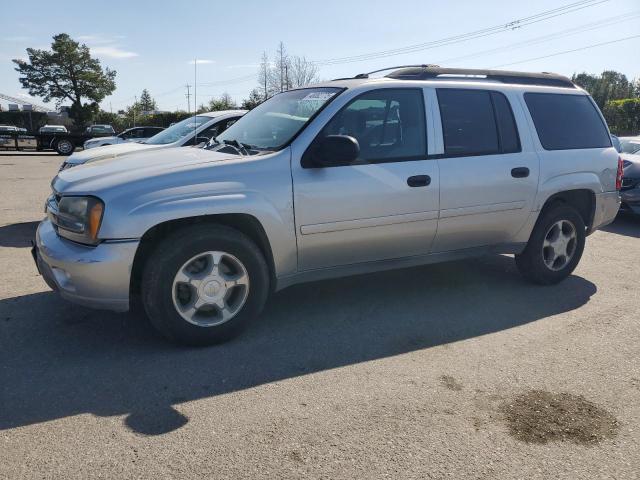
(477, 122)
(566, 122)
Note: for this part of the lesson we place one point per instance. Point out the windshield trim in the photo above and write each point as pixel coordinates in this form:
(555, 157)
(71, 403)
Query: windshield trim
(339, 91)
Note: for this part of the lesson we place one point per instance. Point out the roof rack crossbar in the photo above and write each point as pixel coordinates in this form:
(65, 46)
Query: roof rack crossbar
(428, 72)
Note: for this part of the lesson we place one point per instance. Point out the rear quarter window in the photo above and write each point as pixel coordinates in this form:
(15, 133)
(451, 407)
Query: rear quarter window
(567, 122)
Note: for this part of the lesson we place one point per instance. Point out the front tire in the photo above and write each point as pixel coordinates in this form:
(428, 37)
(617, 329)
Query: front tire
(555, 246)
(203, 284)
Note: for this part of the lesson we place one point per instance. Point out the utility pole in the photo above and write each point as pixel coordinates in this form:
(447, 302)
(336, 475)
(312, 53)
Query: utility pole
(188, 95)
(135, 107)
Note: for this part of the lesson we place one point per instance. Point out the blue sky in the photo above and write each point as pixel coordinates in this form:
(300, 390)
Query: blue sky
(151, 44)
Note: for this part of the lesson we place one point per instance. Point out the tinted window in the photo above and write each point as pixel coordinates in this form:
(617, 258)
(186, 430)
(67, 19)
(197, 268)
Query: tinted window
(150, 132)
(468, 123)
(507, 130)
(388, 124)
(566, 121)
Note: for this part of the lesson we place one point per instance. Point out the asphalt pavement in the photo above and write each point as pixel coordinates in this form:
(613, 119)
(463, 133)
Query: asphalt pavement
(456, 370)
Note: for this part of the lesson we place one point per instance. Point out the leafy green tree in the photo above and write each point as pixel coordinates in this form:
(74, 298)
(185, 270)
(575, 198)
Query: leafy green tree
(223, 102)
(67, 72)
(623, 116)
(256, 97)
(611, 85)
(146, 102)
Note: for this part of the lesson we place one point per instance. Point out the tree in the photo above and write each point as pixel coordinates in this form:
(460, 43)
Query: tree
(146, 102)
(255, 99)
(609, 86)
(623, 116)
(67, 72)
(301, 72)
(223, 102)
(263, 75)
(285, 73)
(278, 74)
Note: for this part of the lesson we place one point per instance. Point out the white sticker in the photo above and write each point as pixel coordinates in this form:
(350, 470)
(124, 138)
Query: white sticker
(318, 96)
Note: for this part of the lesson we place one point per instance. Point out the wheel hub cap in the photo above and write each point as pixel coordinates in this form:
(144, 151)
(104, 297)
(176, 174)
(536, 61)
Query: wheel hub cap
(559, 245)
(210, 288)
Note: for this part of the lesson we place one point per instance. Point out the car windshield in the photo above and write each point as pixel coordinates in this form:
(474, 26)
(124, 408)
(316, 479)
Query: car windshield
(628, 146)
(178, 131)
(273, 124)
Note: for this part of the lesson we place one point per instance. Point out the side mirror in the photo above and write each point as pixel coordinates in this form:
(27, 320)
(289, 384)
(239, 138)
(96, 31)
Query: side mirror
(332, 151)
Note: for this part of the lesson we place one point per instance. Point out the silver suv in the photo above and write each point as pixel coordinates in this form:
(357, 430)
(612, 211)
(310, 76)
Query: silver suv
(350, 176)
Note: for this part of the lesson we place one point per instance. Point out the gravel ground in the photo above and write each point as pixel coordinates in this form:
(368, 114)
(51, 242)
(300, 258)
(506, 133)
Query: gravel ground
(458, 370)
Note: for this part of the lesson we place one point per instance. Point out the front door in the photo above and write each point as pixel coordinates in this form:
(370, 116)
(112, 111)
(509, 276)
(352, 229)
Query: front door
(385, 204)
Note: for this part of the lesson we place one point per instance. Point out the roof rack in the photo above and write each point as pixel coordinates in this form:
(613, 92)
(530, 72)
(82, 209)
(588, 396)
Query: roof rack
(430, 72)
(366, 75)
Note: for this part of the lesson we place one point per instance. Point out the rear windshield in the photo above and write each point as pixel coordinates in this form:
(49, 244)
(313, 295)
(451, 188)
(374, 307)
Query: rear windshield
(566, 122)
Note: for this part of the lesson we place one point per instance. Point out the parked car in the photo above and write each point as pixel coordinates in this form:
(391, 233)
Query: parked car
(99, 130)
(346, 177)
(630, 191)
(630, 145)
(135, 134)
(53, 129)
(49, 137)
(182, 134)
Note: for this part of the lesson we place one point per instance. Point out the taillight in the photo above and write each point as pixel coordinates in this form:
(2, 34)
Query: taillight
(619, 174)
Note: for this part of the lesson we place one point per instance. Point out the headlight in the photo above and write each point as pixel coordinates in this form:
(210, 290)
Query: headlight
(79, 218)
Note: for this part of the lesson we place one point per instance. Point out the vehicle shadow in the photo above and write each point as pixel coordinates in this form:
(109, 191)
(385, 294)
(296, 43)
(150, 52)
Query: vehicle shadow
(59, 360)
(18, 235)
(625, 224)
(29, 153)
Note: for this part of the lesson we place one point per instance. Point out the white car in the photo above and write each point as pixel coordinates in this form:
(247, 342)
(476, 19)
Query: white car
(135, 134)
(190, 131)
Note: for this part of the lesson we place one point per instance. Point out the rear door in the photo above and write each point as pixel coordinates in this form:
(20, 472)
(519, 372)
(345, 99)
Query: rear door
(488, 168)
(385, 204)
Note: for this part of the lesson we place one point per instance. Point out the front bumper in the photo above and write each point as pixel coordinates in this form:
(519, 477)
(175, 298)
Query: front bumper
(607, 206)
(630, 201)
(96, 277)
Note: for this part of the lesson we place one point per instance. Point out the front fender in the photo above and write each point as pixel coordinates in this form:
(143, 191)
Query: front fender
(260, 188)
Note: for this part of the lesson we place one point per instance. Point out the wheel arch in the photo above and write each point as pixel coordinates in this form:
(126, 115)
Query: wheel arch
(243, 222)
(582, 199)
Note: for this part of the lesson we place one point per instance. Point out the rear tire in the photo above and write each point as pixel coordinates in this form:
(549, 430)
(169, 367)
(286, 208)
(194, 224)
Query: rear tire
(213, 266)
(555, 246)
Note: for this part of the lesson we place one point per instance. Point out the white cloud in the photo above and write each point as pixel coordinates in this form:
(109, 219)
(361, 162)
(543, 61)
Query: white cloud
(112, 52)
(200, 62)
(106, 45)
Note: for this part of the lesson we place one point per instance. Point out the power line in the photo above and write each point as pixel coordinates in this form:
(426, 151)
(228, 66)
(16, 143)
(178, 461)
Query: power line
(518, 23)
(568, 51)
(607, 22)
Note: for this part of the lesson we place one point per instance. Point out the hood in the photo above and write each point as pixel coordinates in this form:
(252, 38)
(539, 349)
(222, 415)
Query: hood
(109, 151)
(102, 174)
(112, 138)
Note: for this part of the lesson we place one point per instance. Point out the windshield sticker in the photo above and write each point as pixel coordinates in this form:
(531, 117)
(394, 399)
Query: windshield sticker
(323, 96)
